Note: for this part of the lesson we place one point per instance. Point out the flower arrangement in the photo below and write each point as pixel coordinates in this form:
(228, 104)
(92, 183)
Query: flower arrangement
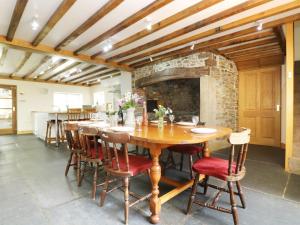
(162, 111)
(130, 101)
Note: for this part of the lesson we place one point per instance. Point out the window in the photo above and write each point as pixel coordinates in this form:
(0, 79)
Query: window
(64, 100)
(99, 98)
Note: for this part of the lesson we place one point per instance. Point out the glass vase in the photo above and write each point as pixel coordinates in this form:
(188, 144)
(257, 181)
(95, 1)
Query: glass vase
(160, 123)
(130, 118)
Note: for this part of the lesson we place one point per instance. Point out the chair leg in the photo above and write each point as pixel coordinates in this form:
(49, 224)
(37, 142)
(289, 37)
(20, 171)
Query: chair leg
(49, 137)
(205, 183)
(104, 191)
(82, 173)
(69, 163)
(233, 204)
(181, 161)
(241, 194)
(193, 193)
(78, 169)
(126, 199)
(95, 182)
(191, 166)
(47, 130)
(62, 137)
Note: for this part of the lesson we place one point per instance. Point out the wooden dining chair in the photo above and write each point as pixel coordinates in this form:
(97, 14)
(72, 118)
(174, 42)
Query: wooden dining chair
(72, 136)
(119, 164)
(91, 154)
(88, 113)
(74, 114)
(231, 171)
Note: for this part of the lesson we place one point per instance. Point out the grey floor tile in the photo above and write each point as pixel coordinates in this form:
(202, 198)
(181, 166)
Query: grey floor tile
(293, 188)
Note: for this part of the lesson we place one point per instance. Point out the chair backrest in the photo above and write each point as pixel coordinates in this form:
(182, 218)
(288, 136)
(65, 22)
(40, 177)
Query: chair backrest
(239, 145)
(87, 113)
(74, 114)
(72, 135)
(112, 153)
(89, 137)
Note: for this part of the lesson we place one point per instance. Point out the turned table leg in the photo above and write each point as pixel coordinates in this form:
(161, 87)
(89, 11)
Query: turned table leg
(206, 152)
(155, 174)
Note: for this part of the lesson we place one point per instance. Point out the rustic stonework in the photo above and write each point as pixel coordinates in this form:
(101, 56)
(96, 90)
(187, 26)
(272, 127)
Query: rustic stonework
(218, 89)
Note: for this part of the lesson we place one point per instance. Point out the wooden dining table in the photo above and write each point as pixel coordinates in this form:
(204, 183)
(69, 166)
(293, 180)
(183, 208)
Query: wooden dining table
(157, 140)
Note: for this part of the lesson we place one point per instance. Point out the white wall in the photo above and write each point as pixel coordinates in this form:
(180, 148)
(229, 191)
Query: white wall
(33, 96)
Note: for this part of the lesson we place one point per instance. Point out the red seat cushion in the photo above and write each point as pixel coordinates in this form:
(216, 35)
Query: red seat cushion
(212, 166)
(137, 164)
(93, 153)
(186, 149)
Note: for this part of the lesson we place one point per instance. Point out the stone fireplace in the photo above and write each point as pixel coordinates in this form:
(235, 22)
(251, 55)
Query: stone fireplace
(202, 83)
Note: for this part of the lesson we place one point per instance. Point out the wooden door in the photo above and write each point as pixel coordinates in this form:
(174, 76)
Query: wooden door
(8, 109)
(259, 104)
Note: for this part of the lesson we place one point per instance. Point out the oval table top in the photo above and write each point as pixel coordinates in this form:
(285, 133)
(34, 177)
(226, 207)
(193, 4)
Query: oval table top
(169, 135)
(176, 134)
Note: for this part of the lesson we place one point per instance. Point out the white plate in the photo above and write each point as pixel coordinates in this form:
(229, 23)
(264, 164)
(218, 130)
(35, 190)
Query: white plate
(203, 130)
(156, 121)
(122, 129)
(99, 124)
(182, 123)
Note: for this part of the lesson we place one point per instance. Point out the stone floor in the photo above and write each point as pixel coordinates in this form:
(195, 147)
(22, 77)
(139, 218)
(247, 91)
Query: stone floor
(34, 190)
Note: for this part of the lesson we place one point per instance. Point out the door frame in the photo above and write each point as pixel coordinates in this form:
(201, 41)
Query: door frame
(13, 130)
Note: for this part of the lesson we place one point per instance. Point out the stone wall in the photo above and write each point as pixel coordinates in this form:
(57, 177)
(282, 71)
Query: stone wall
(218, 89)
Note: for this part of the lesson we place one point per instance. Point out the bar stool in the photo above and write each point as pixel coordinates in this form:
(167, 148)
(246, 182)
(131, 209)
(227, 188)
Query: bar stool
(48, 137)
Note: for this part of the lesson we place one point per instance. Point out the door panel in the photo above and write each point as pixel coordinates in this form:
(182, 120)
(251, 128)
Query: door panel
(259, 94)
(8, 121)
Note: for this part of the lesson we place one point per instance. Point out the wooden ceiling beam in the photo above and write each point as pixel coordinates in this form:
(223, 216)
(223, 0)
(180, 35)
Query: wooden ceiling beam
(66, 69)
(229, 26)
(47, 50)
(34, 69)
(87, 74)
(113, 72)
(89, 67)
(257, 56)
(124, 24)
(226, 40)
(4, 76)
(104, 10)
(95, 81)
(3, 55)
(253, 51)
(53, 67)
(56, 16)
(15, 19)
(222, 15)
(281, 37)
(164, 23)
(27, 55)
(245, 46)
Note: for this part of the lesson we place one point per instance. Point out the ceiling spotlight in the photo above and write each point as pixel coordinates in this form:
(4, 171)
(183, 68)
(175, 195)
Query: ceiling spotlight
(54, 59)
(67, 75)
(35, 77)
(78, 70)
(34, 23)
(151, 59)
(148, 23)
(259, 26)
(107, 45)
(192, 46)
(98, 80)
(42, 72)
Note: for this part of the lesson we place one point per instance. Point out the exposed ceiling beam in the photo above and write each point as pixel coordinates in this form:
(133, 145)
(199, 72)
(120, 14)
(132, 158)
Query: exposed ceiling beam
(87, 74)
(98, 80)
(214, 18)
(69, 67)
(82, 71)
(253, 50)
(113, 72)
(124, 24)
(21, 64)
(56, 16)
(245, 46)
(34, 69)
(15, 19)
(164, 23)
(223, 41)
(104, 10)
(4, 76)
(235, 24)
(3, 55)
(47, 50)
(281, 37)
(52, 67)
(256, 56)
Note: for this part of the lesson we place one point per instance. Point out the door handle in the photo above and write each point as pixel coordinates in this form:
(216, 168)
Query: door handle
(277, 108)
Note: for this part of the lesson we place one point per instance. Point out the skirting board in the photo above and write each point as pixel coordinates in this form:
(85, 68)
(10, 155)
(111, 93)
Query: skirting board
(24, 132)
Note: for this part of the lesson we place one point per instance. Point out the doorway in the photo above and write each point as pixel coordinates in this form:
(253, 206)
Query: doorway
(8, 109)
(259, 104)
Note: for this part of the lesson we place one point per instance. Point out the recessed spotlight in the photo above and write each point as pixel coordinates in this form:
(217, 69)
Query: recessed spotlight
(34, 23)
(259, 26)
